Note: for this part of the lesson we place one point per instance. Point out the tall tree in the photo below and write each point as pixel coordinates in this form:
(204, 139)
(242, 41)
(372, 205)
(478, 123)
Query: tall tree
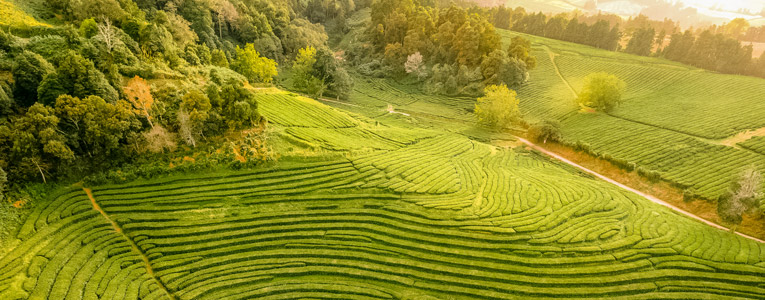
(29, 69)
(498, 108)
(520, 49)
(601, 91)
(641, 42)
(742, 196)
(75, 76)
(138, 93)
(34, 143)
(249, 63)
(95, 127)
(302, 72)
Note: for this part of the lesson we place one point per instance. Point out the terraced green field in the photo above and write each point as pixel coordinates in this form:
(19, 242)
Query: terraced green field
(673, 119)
(397, 214)
(756, 144)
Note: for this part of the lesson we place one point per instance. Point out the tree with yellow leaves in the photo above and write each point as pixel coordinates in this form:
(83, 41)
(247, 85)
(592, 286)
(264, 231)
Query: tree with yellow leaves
(139, 94)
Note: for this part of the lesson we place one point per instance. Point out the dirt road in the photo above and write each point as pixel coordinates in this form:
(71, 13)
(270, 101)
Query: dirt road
(644, 195)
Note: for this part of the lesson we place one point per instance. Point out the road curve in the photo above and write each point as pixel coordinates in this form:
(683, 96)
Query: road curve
(644, 195)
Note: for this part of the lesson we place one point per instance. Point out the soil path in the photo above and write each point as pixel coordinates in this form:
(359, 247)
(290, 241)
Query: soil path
(557, 71)
(133, 245)
(644, 195)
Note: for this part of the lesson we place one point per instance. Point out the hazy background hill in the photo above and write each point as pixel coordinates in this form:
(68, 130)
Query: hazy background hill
(687, 12)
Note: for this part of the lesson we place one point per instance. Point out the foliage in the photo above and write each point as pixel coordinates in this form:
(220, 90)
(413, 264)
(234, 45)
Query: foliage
(33, 144)
(138, 93)
(158, 139)
(303, 77)
(3, 184)
(415, 65)
(499, 68)
(249, 63)
(547, 130)
(75, 76)
(13, 16)
(601, 91)
(455, 43)
(96, 128)
(88, 28)
(194, 112)
(641, 42)
(743, 196)
(599, 32)
(219, 58)
(498, 108)
(238, 106)
(520, 49)
(29, 70)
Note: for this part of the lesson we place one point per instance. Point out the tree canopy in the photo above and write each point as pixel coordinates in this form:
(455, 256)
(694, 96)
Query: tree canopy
(256, 68)
(601, 91)
(498, 108)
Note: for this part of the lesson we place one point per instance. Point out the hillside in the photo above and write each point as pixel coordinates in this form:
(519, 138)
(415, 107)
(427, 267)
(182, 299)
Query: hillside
(376, 212)
(675, 119)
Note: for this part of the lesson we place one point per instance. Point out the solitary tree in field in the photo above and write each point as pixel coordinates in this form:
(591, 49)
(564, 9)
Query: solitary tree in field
(742, 196)
(498, 108)
(602, 91)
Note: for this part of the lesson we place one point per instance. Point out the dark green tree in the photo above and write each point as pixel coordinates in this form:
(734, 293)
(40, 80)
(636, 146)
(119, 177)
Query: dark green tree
(33, 143)
(75, 76)
(29, 70)
(641, 42)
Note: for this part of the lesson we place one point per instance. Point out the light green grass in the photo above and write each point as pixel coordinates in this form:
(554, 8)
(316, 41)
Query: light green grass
(13, 16)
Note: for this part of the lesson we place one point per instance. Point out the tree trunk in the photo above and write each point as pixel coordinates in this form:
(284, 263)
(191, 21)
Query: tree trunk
(41, 171)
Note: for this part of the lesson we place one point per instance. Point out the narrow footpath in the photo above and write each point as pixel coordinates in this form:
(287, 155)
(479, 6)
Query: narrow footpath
(133, 245)
(644, 195)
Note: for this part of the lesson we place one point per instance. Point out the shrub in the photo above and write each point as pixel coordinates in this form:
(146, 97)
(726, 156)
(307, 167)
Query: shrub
(651, 175)
(545, 130)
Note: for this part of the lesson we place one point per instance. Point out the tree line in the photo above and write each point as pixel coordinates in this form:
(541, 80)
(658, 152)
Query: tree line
(716, 48)
(453, 50)
(598, 33)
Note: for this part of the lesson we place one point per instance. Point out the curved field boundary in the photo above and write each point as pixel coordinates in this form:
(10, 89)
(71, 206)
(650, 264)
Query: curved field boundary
(133, 245)
(557, 71)
(644, 195)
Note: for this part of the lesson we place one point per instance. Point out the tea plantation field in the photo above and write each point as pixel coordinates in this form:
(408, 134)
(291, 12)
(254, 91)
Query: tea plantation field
(673, 121)
(385, 213)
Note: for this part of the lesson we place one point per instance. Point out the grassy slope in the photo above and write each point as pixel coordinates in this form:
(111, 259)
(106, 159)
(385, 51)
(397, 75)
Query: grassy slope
(672, 119)
(403, 212)
(14, 16)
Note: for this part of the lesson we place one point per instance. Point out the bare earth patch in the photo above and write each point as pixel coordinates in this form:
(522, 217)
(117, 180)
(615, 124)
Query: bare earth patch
(742, 137)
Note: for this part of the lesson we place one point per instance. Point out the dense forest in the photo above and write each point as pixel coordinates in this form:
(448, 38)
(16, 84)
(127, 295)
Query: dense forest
(115, 81)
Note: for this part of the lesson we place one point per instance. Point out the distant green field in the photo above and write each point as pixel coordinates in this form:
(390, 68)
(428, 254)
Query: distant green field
(428, 215)
(672, 121)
